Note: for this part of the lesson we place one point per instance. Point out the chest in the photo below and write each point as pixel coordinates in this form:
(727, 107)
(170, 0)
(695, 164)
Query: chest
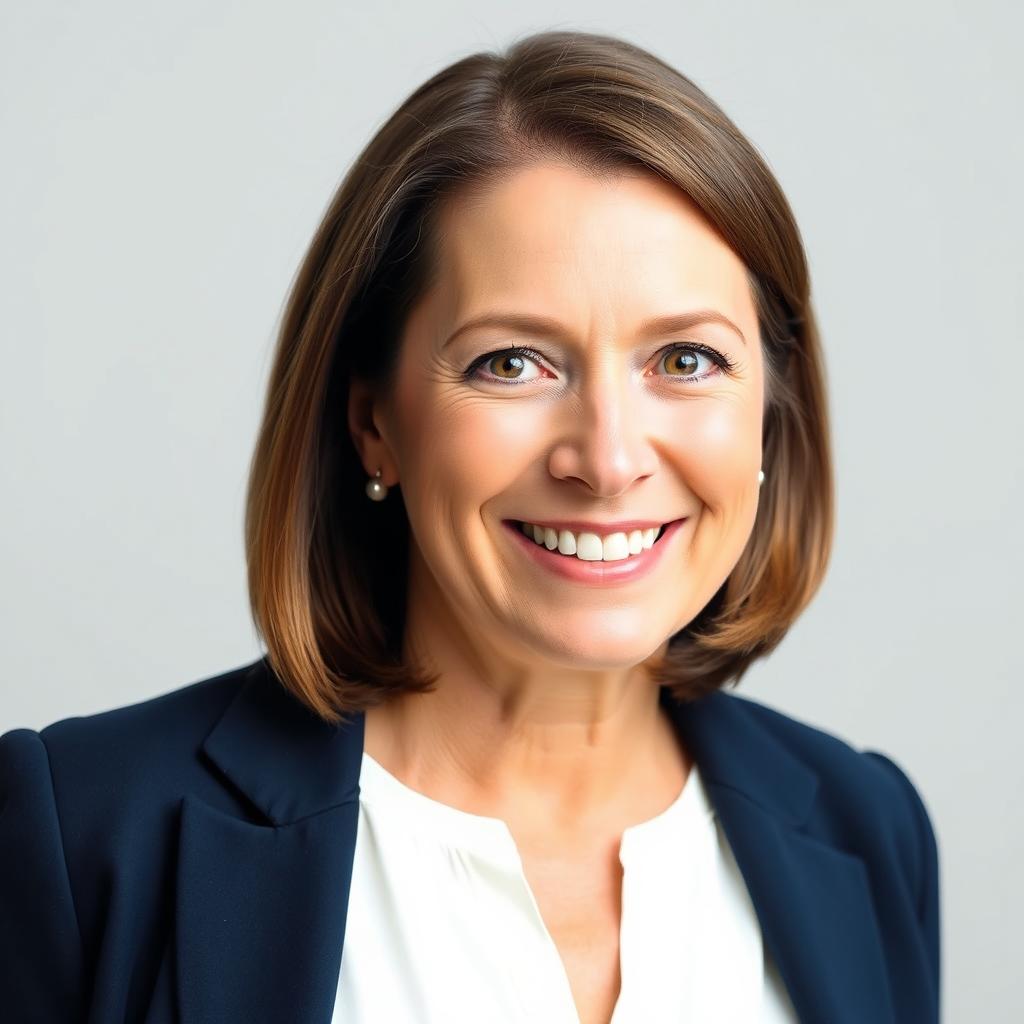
(580, 900)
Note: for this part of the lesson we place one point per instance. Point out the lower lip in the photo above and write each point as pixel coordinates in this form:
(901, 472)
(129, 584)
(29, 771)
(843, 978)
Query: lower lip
(596, 573)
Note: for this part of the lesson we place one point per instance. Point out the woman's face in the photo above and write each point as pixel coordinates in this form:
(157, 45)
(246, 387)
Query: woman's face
(601, 422)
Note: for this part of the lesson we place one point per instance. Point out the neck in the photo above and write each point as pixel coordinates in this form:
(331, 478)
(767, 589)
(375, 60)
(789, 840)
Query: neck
(571, 748)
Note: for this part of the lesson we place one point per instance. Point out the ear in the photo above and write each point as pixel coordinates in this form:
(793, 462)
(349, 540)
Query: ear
(365, 412)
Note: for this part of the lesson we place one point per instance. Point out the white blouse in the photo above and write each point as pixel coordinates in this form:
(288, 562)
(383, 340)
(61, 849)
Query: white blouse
(442, 925)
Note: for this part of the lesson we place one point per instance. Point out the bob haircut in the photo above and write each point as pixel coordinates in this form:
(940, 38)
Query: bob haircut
(327, 569)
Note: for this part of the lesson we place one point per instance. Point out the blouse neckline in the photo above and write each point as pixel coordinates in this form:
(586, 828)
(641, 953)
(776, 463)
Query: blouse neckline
(491, 838)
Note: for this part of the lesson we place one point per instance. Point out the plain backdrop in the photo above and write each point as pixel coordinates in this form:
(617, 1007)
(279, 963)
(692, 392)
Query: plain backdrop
(165, 166)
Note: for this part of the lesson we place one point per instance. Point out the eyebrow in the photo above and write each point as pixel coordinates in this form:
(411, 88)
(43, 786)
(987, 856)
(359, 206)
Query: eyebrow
(667, 324)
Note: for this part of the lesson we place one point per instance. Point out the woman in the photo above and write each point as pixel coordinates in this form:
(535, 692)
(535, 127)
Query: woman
(544, 465)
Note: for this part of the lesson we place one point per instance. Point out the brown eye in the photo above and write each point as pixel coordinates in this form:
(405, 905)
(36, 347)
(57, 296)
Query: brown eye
(507, 365)
(683, 361)
(680, 362)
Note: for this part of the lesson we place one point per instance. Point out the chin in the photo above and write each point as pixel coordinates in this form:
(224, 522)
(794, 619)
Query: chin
(605, 643)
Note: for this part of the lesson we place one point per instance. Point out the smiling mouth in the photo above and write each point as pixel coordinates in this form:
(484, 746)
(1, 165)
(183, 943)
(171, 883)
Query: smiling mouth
(591, 547)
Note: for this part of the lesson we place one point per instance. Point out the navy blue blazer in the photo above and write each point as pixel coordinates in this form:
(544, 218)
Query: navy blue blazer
(188, 859)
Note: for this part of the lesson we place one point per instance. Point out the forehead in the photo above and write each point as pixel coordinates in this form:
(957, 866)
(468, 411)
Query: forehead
(624, 246)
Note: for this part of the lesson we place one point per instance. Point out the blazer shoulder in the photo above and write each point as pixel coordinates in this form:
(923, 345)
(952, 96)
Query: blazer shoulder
(88, 822)
(867, 795)
(129, 762)
(836, 760)
(183, 710)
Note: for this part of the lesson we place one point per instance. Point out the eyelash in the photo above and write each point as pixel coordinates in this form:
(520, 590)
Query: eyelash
(722, 361)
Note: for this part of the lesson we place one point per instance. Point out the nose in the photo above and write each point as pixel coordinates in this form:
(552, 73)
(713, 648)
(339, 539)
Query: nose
(605, 443)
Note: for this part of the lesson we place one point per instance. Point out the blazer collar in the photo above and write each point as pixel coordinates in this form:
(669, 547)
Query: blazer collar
(733, 751)
(292, 875)
(288, 762)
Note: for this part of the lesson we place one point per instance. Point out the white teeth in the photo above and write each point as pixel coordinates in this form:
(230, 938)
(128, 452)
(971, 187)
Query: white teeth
(616, 547)
(589, 546)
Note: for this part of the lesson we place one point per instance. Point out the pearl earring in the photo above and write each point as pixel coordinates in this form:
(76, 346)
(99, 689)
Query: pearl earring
(375, 490)
(760, 476)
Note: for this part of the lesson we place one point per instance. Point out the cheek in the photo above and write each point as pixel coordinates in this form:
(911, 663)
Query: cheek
(456, 448)
(718, 447)
(489, 436)
(718, 456)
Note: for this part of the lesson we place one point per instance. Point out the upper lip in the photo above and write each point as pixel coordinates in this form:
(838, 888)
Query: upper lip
(601, 529)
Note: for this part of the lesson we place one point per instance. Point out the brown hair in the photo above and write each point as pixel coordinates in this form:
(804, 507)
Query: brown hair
(326, 566)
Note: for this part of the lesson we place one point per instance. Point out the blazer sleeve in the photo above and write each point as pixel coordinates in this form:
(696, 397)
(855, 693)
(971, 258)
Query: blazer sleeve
(928, 913)
(41, 962)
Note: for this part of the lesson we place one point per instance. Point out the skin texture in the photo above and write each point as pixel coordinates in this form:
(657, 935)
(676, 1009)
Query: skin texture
(544, 715)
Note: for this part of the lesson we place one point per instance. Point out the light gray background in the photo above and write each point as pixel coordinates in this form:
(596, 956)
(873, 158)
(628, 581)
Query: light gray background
(165, 168)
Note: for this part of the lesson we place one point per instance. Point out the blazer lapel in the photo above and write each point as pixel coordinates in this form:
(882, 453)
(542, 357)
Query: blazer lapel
(261, 905)
(812, 899)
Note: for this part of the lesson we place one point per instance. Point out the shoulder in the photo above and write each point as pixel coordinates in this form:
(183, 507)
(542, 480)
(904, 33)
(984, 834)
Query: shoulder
(865, 798)
(843, 768)
(88, 815)
(96, 771)
(829, 798)
(132, 744)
